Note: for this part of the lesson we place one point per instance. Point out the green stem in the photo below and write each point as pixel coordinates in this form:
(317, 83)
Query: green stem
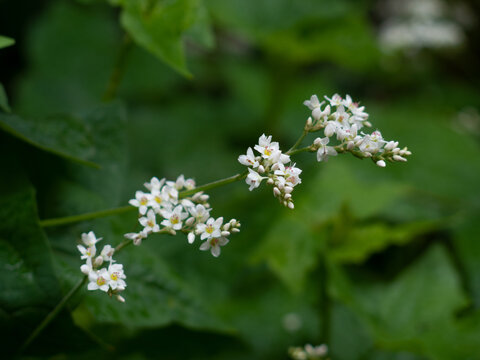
(297, 151)
(83, 217)
(48, 319)
(118, 70)
(297, 144)
(213, 184)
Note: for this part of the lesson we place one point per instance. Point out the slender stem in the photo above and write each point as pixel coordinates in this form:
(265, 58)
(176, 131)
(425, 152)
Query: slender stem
(297, 144)
(53, 313)
(213, 184)
(83, 217)
(297, 151)
(118, 70)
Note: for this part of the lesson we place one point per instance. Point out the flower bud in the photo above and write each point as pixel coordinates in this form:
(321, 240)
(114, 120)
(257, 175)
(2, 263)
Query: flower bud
(226, 227)
(85, 269)
(276, 191)
(270, 181)
(120, 298)
(381, 163)
(190, 221)
(261, 169)
(290, 205)
(225, 233)
(235, 230)
(191, 237)
(288, 189)
(288, 196)
(98, 261)
(204, 197)
(398, 158)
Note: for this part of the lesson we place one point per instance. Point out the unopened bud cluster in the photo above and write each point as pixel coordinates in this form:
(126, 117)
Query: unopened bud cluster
(109, 279)
(309, 352)
(190, 215)
(344, 119)
(274, 167)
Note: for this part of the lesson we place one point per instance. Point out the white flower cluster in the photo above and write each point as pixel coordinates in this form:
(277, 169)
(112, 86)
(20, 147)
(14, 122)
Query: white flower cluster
(190, 215)
(345, 118)
(109, 279)
(309, 352)
(274, 166)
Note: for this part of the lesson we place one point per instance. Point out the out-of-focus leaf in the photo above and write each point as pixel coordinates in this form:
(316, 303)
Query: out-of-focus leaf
(160, 26)
(291, 250)
(4, 100)
(467, 243)
(84, 189)
(405, 314)
(363, 240)
(68, 69)
(63, 135)
(155, 297)
(29, 288)
(6, 41)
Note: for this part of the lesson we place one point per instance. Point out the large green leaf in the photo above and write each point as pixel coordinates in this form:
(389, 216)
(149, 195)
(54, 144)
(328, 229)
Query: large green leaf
(409, 312)
(159, 27)
(28, 285)
(6, 41)
(63, 135)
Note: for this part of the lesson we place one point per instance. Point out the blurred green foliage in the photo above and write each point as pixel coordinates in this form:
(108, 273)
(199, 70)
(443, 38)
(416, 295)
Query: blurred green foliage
(379, 264)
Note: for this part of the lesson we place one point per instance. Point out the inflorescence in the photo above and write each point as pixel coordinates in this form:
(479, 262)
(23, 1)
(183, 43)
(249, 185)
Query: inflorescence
(167, 207)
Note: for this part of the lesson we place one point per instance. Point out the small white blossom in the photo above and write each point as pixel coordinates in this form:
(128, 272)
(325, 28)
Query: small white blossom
(199, 213)
(98, 280)
(87, 253)
(210, 229)
(253, 179)
(324, 151)
(249, 159)
(214, 245)
(116, 276)
(107, 253)
(149, 222)
(136, 237)
(174, 219)
(90, 239)
(154, 184)
(141, 201)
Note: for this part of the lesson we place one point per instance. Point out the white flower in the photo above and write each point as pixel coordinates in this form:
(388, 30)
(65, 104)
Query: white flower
(154, 184)
(87, 268)
(136, 237)
(157, 199)
(214, 245)
(313, 103)
(90, 239)
(265, 147)
(249, 159)
(107, 253)
(290, 173)
(171, 194)
(174, 219)
(372, 143)
(253, 179)
(116, 276)
(149, 222)
(210, 229)
(341, 117)
(88, 252)
(324, 151)
(141, 201)
(200, 213)
(98, 280)
(336, 100)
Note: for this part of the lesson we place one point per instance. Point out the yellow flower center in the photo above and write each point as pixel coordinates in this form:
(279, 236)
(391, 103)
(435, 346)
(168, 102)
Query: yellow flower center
(214, 241)
(143, 201)
(150, 223)
(174, 219)
(209, 229)
(114, 276)
(267, 151)
(100, 281)
(158, 199)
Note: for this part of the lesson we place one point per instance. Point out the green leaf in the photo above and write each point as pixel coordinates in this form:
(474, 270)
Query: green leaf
(291, 250)
(4, 100)
(6, 41)
(63, 135)
(28, 285)
(155, 296)
(159, 27)
(404, 314)
(361, 241)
